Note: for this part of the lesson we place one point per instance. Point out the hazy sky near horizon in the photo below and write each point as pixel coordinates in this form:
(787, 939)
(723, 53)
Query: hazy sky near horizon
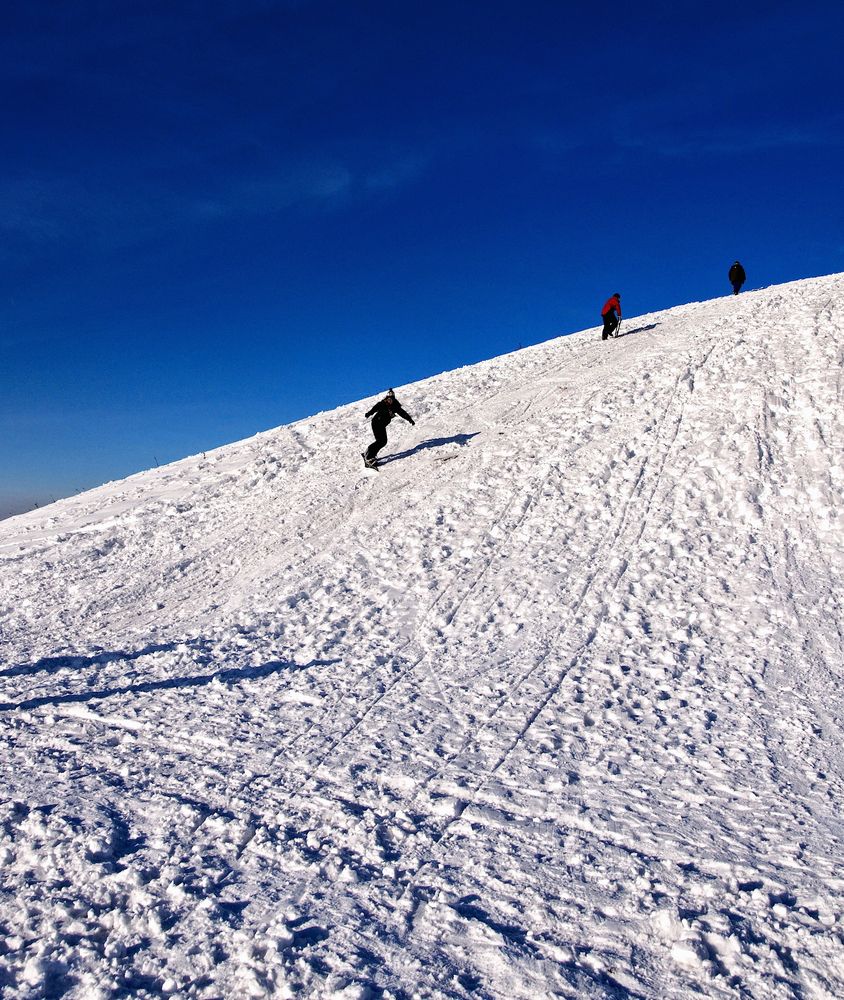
(221, 216)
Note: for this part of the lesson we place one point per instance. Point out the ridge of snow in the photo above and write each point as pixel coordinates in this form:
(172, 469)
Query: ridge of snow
(550, 706)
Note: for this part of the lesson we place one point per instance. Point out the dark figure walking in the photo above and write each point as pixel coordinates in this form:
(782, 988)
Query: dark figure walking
(382, 413)
(611, 315)
(737, 277)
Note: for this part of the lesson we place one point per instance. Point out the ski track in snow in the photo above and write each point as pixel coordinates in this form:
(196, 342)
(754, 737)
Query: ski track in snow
(550, 707)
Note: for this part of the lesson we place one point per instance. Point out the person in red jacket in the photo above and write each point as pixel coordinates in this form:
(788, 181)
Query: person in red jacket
(611, 315)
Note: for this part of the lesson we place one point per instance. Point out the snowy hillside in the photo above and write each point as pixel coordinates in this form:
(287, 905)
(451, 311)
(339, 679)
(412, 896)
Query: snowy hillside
(553, 705)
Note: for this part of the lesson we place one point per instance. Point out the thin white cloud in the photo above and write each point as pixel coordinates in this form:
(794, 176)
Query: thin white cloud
(56, 210)
(396, 175)
(720, 142)
(316, 184)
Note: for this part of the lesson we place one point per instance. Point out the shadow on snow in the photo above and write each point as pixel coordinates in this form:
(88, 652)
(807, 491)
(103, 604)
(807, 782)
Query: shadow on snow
(53, 664)
(231, 675)
(639, 329)
(459, 439)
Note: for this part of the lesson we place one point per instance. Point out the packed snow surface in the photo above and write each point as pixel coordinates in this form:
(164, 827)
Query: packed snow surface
(551, 705)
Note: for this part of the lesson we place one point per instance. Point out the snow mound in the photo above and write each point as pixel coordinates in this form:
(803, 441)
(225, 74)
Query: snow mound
(551, 706)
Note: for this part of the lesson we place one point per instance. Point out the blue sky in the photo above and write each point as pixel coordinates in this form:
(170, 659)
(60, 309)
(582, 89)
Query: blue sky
(220, 217)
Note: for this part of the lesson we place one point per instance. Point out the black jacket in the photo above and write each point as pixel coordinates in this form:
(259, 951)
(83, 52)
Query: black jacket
(384, 411)
(737, 273)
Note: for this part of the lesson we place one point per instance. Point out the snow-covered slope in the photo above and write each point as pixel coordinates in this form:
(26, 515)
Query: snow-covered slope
(551, 706)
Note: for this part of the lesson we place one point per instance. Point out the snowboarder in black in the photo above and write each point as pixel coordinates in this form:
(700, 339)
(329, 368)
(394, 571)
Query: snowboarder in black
(382, 413)
(737, 277)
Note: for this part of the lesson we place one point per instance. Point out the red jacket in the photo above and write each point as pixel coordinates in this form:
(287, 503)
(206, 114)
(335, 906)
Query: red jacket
(610, 304)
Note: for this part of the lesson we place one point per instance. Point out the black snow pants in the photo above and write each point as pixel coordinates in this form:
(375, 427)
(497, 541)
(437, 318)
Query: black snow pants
(610, 324)
(379, 429)
(737, 286)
